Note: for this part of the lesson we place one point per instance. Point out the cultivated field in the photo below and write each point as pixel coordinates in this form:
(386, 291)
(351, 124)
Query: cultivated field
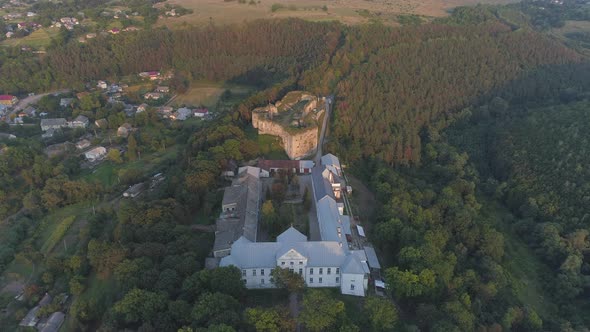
(207, 94)
(346, 11)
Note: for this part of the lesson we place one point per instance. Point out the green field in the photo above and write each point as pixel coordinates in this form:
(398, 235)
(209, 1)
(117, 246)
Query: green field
(524, 267)
(49, 232)
(38, 39)
(208, 93)
(271, 147)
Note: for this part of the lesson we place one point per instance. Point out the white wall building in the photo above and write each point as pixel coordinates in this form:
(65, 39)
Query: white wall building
(325, 263)
(96, 153)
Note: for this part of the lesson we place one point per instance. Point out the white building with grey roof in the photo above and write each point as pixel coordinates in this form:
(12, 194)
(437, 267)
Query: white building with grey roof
(326, 263)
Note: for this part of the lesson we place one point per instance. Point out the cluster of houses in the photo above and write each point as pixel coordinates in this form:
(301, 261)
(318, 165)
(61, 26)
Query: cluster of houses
(48, 324)
(331, 262)
(49, 126)
(67, 22)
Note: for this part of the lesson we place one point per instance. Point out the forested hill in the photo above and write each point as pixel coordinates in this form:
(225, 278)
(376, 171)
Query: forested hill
(253, 52)
(396, 87)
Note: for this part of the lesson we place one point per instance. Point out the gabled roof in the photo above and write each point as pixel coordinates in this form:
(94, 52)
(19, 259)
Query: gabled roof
(321, 186)
(6, 97)
(355, 264)
(372, 258)
(331, 160)
(291, 235)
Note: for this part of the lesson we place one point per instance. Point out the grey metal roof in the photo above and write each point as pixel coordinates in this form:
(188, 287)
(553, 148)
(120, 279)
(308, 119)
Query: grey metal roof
(53, 122)
(321, 186)
(329, 220)
(331, 160)
(291, 235)
(355, 263)
(54, 322)
(372, 258)
(243, 221)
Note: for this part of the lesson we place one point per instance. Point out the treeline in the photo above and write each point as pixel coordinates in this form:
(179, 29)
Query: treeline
(254, 53)
(446, 263)
(398, 86)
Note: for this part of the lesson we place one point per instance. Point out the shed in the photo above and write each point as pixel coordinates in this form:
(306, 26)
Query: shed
(361, 230)
(372, 258)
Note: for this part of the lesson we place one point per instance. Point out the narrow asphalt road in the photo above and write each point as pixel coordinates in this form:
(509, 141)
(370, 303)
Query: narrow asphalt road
(318, 154)
(22, 104)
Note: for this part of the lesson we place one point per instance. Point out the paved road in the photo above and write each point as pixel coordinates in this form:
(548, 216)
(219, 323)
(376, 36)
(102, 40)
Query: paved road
(318, 154)
(22, 104)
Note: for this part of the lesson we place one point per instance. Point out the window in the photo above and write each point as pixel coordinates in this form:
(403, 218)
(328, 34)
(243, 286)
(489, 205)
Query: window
(321, 270)
(337, 279)
(352, 285)
(262, 281)
(320, 280)
(243, 273)
(254, 273)
(300, 262)
(244, 280)
(311, 270)
(261, 272)
(300, 271)
(291, 270)
(337, 270)
(329, 270)
(282, 263)
(311, 280)
(291, 263)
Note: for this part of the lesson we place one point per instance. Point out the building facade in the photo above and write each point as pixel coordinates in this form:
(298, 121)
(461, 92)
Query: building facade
(327, 263)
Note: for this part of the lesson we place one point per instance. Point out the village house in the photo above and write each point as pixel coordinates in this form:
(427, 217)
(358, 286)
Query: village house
(152, 96)
(53, 323)
(115, 31)
(90, 35)
(96, 154)
(101, 123)
(9, 34)
(54, 124)
(30, 112)
(102, 85)
(142, 108)
(80, 121)
(8, 100)
(152, 75)
(182, 114)
(31, 319)
(134, 190)
(82, 144)
(165, 111)
(327, 263)
(162, 89)
(200, 112)
(124, 130)
(66, 102)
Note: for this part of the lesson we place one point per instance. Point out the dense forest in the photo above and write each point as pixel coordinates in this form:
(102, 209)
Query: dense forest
(470, 131)
(258, 53)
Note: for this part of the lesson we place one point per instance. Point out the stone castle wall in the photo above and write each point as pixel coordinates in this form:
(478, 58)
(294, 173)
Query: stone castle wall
(296, 145)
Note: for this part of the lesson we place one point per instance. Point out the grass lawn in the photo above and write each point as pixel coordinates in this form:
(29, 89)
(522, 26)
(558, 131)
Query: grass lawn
(38, 39)
(299, 217)
(207, 93)
(52, 221)
(98, 293)
(20, 267)
(107, 173)
(271, 147)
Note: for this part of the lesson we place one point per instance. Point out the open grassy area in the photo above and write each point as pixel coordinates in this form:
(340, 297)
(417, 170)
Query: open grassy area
(271, 147)
(208, 93)
(524, 267)
(49, 228)
(38, 39)
(107, 173)
(222, 12)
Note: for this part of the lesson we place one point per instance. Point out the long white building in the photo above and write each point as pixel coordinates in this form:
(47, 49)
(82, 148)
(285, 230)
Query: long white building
(325, 263)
